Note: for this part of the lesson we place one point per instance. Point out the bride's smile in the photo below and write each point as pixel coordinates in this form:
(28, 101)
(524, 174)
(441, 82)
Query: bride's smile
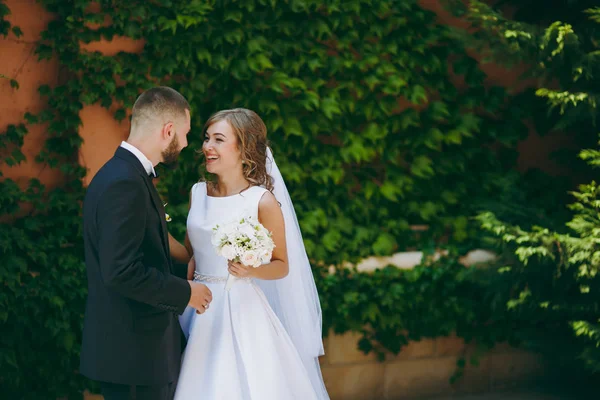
(221, 150)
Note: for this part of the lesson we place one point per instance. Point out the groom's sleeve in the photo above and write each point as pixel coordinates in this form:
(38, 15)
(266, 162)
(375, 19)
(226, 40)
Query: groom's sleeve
(121, 221)
(180, 270)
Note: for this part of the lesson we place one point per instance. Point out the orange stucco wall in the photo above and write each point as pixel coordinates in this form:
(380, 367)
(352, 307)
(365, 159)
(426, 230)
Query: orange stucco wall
(102, 134)
(19, 62)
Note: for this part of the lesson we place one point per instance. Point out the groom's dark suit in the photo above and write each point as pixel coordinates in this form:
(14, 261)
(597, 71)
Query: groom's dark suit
(131, 333)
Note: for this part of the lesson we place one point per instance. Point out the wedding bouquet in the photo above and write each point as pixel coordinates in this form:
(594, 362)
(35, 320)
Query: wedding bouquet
(245, 241)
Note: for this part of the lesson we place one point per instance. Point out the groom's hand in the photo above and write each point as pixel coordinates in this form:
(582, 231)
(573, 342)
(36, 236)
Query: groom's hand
(200, 298)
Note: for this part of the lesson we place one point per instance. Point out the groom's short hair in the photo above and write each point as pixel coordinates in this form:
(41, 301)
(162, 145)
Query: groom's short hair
(159, 104)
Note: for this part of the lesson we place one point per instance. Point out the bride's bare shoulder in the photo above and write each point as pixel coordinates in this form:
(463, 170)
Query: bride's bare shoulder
(268, 203)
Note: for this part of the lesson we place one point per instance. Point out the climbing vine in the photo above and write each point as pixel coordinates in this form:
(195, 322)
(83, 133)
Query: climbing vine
(377, 115)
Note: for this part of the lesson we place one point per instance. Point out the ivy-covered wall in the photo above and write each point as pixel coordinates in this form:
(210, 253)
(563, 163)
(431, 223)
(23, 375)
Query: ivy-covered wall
(379, 119)
(553, 271)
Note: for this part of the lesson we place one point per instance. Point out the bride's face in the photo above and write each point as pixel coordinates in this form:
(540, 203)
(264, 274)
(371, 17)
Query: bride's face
(221, 149)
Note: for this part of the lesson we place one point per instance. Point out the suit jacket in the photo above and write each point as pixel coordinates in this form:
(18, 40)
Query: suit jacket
(131, 333)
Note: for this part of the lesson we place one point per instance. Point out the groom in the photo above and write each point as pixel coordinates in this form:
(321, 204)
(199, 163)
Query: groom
(131, 334)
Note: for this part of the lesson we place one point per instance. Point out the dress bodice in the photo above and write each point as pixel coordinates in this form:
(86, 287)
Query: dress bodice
(206, 212)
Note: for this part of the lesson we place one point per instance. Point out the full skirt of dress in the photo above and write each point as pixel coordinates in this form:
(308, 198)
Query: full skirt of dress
(239, 350)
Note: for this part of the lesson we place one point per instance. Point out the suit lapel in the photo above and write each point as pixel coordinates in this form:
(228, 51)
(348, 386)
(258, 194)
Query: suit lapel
(158, 205)
(160, 209)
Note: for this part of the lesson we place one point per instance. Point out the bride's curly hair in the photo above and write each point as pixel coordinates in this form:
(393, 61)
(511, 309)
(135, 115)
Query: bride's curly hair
(251, 133)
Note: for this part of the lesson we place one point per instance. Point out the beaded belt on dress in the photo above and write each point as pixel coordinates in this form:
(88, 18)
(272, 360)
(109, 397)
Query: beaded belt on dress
(215, 279)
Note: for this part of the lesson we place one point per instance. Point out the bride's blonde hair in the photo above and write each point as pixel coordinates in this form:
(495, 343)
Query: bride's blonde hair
(251, 133)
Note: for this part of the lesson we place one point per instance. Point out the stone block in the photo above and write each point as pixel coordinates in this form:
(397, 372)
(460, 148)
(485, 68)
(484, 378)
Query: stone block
(514, 369)
(406, 379)
(343, 349)
(450, 346)
(354, 382)
(502, 348)
(90, 396)
(416, 349)
(476, 378)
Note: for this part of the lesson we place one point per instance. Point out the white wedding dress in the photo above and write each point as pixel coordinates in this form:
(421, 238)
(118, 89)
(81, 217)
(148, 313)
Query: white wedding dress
(238, 349)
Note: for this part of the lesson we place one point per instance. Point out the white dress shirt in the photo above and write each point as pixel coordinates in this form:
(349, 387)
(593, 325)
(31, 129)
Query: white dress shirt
(147, 164)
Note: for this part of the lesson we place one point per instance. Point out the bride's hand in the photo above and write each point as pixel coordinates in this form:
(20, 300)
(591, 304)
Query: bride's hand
(239, 270)
(191, 269)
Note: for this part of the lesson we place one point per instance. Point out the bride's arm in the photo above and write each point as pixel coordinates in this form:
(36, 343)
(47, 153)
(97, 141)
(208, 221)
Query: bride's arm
(270, 215)
(179, 252)
(182, 253)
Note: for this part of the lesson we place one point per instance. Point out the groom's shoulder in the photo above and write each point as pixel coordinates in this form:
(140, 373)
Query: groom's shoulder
(115, 170)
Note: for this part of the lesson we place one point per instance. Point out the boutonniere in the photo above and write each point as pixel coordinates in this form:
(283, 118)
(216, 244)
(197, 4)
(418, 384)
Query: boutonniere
(167, 216)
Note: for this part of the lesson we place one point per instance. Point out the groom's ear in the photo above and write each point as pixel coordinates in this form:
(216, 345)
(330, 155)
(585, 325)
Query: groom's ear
(168, 130)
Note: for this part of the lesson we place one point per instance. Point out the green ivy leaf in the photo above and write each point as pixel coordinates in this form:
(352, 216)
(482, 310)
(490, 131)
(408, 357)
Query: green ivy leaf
(385, 244)
(259, 62)
(17, 31)
(292, 127)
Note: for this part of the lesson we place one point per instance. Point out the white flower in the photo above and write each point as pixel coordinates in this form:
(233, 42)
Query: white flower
(218, 237)
(228, 229)
(265, 256)
(247, 230)
(251, 259)
(264, 231)
(167, 216)
(228, 252)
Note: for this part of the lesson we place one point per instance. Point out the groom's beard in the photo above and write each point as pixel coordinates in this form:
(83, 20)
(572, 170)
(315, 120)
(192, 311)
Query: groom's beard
(171, 153)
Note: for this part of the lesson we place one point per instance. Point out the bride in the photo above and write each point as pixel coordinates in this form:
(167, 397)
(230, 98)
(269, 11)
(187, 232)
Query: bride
(261, 339)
